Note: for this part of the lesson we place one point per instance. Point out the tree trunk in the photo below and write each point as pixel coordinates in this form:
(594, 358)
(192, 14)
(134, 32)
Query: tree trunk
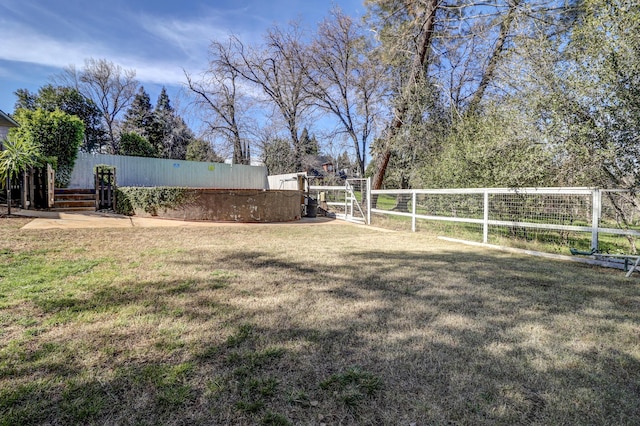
(489, 72)
(427, 21)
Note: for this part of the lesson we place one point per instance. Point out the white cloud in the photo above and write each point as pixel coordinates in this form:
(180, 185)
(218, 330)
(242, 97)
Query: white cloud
(157, 47)
(191, 37)
(161, 73)
(23, 44)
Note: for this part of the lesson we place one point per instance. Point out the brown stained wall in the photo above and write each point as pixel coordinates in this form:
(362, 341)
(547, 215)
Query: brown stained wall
(237, 205)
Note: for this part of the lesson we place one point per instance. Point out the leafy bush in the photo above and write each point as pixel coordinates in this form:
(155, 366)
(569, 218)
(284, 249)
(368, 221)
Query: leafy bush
(55, 134)
(133, 144)
(150, 199)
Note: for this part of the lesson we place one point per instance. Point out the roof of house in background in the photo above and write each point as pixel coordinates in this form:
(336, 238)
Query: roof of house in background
(6, 121)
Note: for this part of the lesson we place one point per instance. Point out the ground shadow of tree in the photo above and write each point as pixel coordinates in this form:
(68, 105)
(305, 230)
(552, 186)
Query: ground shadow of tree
(382, 337)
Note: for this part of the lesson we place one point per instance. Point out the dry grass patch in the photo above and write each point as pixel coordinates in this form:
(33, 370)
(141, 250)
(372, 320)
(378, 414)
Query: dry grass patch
(306, 325)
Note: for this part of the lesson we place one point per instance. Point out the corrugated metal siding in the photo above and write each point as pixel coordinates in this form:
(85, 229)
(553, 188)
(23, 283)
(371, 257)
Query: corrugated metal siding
(140, 171)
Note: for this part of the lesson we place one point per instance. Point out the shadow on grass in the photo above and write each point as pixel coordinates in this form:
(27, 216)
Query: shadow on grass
(382, 337)
(462, 336)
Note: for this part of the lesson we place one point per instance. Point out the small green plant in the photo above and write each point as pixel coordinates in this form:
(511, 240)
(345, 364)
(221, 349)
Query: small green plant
(221, 278)
(299, 397)
(264, 387)
(243, 333)
(267, 355)
(352, 386)
(250, 406)
(82, 402)
(216, 386)
(170, 382)
(275, 419)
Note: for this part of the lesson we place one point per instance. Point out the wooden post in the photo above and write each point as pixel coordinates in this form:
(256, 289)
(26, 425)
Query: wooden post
(24, 188)
(32, 190)
(113, 205)
(51, 186)
(8, 194)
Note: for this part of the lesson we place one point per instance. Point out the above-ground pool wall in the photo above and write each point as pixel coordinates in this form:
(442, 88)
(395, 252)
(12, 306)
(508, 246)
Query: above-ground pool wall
(142, 171)
(235, 205)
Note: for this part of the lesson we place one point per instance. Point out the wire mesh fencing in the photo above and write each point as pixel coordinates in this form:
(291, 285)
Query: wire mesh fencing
(348, 202)
(548, 219)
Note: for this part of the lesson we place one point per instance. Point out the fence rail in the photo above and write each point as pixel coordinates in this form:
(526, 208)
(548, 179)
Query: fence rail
(588, 212)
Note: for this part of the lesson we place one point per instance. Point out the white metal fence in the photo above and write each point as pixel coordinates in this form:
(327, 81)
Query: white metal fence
(349, 202)
(586, 218)
(560, 218)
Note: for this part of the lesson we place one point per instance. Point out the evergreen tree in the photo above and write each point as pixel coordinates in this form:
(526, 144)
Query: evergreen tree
(177, 138)
(164, 104)
(168, 132)
(278, 156)
(139, 116)
(344, 163)
(308, 143)
(309, 150)
(132, 143)
(200, 150)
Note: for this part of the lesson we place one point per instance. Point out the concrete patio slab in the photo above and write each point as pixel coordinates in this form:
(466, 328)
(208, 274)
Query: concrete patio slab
(62, 220)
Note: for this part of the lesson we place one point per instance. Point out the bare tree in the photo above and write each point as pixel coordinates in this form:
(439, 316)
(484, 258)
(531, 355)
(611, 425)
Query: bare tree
(498, 49)
(218, 92)
(276, 69)
(344, 80)
(108, 85)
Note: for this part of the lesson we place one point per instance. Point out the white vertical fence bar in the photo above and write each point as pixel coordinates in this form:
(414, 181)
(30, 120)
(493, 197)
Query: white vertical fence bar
(595, 219)
(485, 225)
(413, 210)
(346, 201)
(369, 201)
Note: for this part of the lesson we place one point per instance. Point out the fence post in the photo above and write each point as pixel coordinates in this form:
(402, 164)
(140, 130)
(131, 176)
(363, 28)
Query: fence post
(595, 217)
(96, 185)
(368, 201)
(346, 199)
(413, 210)
(485, 225)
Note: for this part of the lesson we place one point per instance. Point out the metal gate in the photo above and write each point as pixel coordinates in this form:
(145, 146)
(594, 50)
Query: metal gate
(349, 202)
(356, 200)
(105, 178)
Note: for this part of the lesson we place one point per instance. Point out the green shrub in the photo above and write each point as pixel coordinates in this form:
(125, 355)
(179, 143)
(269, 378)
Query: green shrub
(133, 144)
(150, 199)
(55, 134)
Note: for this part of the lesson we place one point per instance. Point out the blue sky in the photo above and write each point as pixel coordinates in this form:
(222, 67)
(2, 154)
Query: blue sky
(157, 38)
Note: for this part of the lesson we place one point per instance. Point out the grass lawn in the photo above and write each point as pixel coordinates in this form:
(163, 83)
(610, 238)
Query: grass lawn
(296, 324)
